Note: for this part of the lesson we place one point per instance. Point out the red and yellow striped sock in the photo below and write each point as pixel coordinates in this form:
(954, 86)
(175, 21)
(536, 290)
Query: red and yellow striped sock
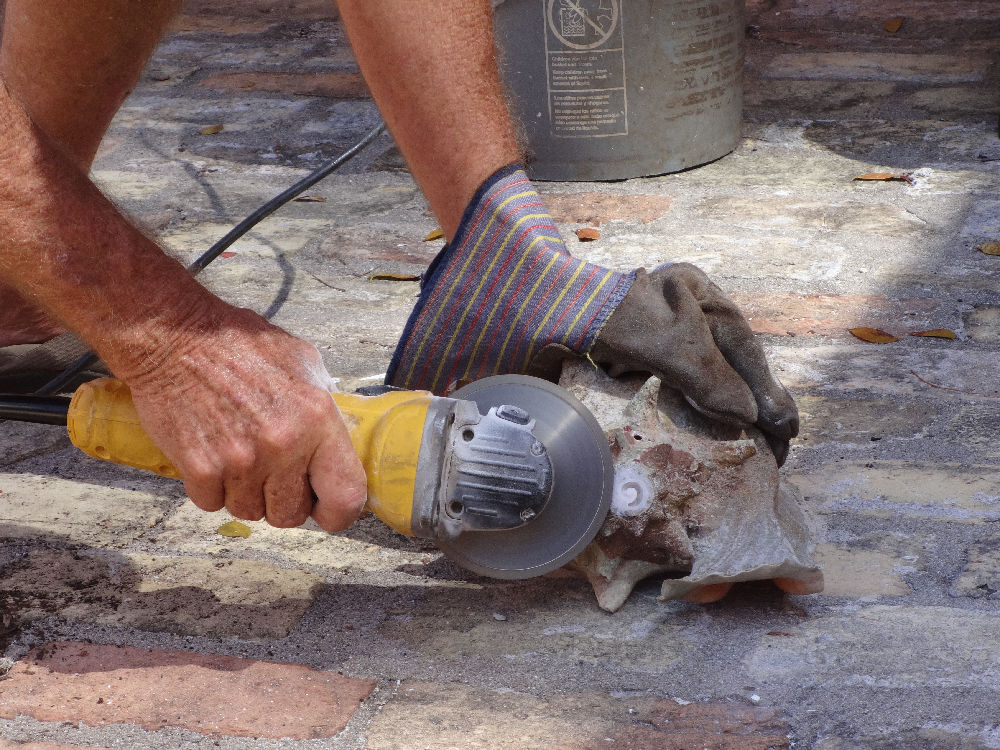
(504, 288)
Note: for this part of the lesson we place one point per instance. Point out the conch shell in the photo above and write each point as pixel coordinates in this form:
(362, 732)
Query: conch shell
(696, 502)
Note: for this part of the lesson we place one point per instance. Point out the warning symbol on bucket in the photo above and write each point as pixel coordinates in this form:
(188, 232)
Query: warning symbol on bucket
(585, 67)
(583, 24)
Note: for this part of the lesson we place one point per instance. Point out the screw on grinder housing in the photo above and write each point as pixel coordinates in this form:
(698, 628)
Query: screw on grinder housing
(492, 474)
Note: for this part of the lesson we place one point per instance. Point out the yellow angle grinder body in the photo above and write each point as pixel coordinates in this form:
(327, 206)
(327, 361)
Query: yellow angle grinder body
(511, 478)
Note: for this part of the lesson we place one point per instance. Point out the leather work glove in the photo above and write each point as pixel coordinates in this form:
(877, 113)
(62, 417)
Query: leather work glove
(676, 324)
(506, 296)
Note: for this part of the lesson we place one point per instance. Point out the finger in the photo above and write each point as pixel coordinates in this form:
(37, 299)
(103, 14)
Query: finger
(288, 498)
(337, 479)
(779, 448)
(243, 485)
(207, 495)
(776, 411)
(660, 329)
(692, 357)
(203, 484)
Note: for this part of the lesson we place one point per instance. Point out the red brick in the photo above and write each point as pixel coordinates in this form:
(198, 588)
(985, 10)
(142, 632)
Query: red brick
(716, 726)
(785, 313)
(597, 208)
(211, 694)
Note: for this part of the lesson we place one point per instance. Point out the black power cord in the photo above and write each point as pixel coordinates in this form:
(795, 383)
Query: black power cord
(58, 383)
(37, 409)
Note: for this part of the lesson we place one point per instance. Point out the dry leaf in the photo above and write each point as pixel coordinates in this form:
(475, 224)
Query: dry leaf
(990, 248)
(310, 199)
(893, 24)
(885, 177)
(393, 277)
(227, 254)
(873, 335)
(588, 234)
(437, 234)
(234, 529)
(211, 130)
(936, 333)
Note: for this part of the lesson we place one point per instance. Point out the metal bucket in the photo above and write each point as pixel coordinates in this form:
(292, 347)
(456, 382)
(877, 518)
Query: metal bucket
(612, 89)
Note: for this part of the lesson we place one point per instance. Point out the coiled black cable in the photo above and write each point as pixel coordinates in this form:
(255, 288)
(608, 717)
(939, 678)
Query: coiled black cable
(37, 409)
(58, 383)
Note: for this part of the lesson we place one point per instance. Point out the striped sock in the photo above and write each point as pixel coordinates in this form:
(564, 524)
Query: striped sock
(499, 292)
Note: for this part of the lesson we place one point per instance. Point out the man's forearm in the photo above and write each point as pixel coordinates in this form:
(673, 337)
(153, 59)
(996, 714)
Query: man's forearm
(432, 69)
(68, 249)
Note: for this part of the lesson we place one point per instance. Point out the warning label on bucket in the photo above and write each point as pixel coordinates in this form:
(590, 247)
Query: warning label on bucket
(585, 64)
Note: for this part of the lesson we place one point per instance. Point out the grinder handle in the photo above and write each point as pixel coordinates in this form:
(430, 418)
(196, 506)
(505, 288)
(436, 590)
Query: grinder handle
(385, 431)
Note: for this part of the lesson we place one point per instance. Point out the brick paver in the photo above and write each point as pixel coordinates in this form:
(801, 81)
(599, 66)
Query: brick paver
(829, 315)
(214, 695)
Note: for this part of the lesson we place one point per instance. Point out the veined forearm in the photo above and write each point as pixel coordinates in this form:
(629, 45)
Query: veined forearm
(431, 67)
(67, 248)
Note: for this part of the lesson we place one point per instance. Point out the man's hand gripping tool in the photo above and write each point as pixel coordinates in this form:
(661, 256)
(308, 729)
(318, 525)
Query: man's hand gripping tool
(511, 478)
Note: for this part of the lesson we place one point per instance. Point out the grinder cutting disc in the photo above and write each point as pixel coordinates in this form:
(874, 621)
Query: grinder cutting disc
(583, 476)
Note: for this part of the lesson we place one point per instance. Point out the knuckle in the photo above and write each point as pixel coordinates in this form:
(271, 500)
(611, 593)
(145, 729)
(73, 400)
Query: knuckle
(319, 406)
(309, 353)
(276, 437)
(201, 472)
(240, 460)
(686, 271)
(205, 501)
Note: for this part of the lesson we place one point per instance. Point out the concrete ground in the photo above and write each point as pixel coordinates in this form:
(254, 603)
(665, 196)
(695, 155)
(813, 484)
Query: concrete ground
(128, 621)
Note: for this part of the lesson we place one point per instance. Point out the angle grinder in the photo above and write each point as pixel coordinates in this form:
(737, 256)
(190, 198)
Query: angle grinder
(511, 477)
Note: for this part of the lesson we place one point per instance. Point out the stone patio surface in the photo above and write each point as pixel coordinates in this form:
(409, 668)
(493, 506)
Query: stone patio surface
(126, 621)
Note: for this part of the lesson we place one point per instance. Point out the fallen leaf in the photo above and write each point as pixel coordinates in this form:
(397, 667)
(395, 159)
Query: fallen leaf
(211, 130)
(161, 78)
(227, 254)
(588, 234)
(393, 277)
(936, 333)
(885, 177)
(893, 24)
(310, 199)
(873, 335)
(989, 248)
(437, 234)
(234, 529)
